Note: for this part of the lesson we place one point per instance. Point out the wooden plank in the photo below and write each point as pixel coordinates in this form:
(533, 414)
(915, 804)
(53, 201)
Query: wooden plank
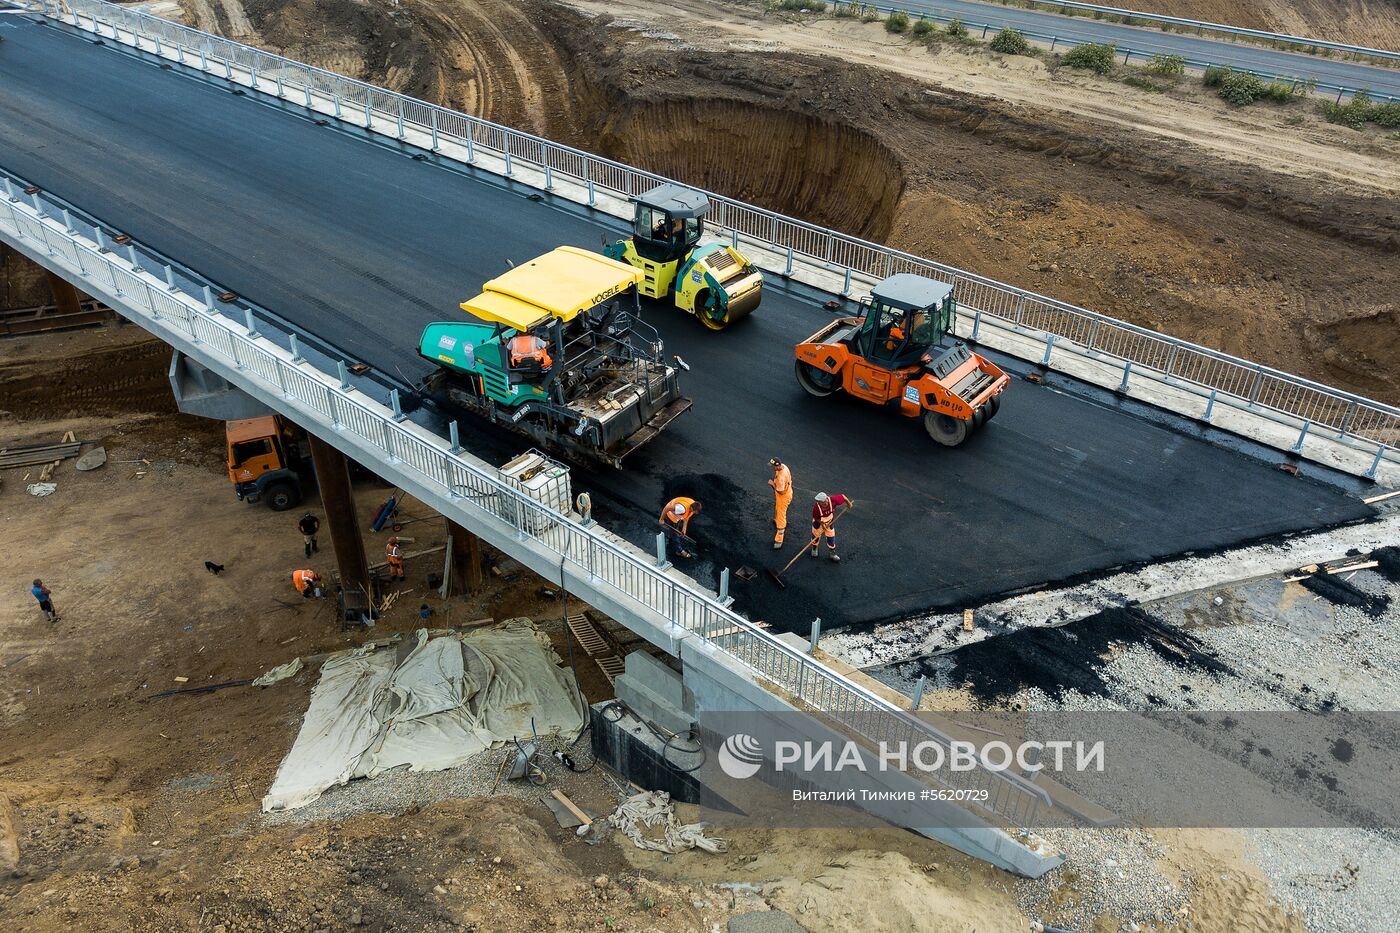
(579, 815)
(967, 620)
(1382, 497)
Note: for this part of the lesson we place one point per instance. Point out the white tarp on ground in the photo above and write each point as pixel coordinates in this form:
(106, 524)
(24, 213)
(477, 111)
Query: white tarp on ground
(450, 697)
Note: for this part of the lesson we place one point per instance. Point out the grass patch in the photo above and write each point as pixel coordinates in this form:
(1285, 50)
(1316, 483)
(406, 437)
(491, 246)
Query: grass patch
(923, 29)
(1092, 56)
(897, 22)
(1010, 42)
(846, 10)
(1215, 75)
(1138, 81)
(797, 6)
(956, 29)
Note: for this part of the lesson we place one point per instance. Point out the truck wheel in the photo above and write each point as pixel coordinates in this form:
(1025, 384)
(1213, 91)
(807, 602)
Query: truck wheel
(281, 497)
(816, 381)
(945, 429)
(707, 315)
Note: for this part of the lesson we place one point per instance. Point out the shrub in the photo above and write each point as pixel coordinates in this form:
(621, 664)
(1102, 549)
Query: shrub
(923, 29)
(956, 29)
(798, 6)
(1241, 88)
(869, 16)
(1215, 75)
(1094, 56)
(897, 22)
(1354, 113)
(1010, 42)
(846, 10)
(1167, 66)
(1387, 115)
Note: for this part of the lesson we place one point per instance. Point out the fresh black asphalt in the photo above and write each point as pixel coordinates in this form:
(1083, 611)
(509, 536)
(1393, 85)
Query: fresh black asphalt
(362, 245)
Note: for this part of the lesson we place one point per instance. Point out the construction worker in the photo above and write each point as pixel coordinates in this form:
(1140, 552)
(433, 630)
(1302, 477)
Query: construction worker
(782, 498)
(308, 526)
(308, 583)
(395, 555)
(824, 521)
(527, 347)
(675, 521)
(45, 598)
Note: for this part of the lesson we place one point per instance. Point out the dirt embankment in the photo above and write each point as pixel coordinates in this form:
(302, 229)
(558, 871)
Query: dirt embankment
(1373, 23)
(1274, 267)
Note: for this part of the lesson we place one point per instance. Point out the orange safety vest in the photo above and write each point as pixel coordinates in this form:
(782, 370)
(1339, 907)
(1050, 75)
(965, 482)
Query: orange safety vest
(302, 579)
(687, 510)
(529, 347)
(782, 481)
(394, 552)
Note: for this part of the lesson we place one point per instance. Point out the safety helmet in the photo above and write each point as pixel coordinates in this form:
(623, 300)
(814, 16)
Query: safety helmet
(679, 509)
(775, 462)
(822, 497)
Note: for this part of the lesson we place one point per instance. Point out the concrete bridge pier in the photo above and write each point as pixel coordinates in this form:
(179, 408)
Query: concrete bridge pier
(338, 501)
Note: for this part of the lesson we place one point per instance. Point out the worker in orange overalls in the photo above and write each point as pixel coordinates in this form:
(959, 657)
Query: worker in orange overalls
(526, 347)
(782, 498)
(824, 521)
(675, 521)
(308, 583)
(395, 555)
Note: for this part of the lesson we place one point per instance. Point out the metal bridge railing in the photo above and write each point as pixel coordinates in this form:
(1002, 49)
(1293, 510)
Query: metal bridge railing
(78, 247)
(1247, 385)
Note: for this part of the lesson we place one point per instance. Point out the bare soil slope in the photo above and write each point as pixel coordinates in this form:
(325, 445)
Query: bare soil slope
(1372, 23)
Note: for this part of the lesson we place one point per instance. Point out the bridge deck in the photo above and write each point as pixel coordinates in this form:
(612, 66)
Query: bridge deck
(362, 246)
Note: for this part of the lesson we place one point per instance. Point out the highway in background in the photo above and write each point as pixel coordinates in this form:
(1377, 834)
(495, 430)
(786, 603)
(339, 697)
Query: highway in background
(1078, 29)
(357, 243)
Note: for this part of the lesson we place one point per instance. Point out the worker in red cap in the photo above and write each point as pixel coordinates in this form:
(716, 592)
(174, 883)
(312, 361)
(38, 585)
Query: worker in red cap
(824, 521)
(675, 521)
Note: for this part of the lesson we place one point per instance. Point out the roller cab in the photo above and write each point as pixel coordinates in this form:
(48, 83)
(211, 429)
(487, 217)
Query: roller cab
(902, 355)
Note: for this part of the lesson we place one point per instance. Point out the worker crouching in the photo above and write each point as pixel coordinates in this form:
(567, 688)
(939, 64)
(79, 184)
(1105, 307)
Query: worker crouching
(308, 583)
(675, 522)
(824, 516)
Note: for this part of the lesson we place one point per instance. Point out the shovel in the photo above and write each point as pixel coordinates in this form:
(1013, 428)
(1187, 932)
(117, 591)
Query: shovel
(778, 577)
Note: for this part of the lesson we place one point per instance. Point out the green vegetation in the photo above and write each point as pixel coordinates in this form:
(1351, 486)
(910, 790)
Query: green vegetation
(956, 29)
(869, 15)
(1242, 89)
(846, 10)
(1138, 81)
(1215, 75)
(1359, 111)
(923, 29)
(1010, 42)
(1093, 56)
(798, 6)
(897, 22)
(1166, 66)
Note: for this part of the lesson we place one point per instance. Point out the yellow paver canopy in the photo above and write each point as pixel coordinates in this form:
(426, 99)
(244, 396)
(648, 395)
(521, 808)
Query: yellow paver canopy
(562, 283)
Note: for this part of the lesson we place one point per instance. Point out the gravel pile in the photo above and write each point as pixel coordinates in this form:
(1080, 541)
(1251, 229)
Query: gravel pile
(1113, 871)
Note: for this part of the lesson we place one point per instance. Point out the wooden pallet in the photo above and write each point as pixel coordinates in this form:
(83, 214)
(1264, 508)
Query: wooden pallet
(612, 666)
(588, 638)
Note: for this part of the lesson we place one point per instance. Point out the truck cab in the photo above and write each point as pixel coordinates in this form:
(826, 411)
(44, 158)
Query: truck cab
(267, 459)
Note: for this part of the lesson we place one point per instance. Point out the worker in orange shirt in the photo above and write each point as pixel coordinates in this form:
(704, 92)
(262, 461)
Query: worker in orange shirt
(308, 583)
(675, 521)
(395, 555)
(782, 498)
(527, 347)
(824, 521)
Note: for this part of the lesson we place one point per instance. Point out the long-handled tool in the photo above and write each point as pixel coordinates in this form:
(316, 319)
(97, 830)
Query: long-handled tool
(778, 577)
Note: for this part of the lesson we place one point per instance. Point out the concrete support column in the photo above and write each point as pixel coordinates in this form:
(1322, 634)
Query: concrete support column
(65, 295)
(466, 561)
(338, 500)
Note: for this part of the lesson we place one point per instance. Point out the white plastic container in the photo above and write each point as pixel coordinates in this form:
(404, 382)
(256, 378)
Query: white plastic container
(544, 480)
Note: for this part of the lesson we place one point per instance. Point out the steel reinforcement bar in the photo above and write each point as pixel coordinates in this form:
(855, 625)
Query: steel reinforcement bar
(83, 249)
(1252, 386)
